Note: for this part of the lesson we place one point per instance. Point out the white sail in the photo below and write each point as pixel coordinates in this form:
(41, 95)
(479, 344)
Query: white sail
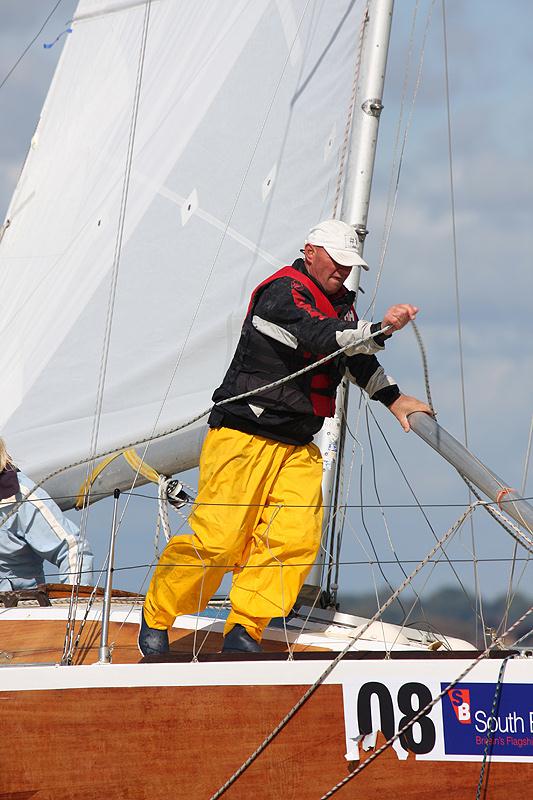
(225, 180)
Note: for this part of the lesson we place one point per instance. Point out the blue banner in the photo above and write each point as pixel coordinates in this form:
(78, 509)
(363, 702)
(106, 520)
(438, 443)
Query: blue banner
(470, 723)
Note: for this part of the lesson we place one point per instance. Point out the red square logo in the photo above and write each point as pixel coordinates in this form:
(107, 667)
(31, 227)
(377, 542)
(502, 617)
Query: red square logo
(460, 700)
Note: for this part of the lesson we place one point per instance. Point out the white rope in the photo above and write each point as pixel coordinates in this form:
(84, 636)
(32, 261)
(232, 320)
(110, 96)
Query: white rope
(162, 504)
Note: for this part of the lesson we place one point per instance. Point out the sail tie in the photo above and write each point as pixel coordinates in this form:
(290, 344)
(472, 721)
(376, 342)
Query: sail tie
(169, 490)
(501, 494)
(49, 45)
(132, 459)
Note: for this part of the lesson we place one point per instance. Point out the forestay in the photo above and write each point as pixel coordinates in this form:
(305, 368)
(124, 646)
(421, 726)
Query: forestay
(240, 124)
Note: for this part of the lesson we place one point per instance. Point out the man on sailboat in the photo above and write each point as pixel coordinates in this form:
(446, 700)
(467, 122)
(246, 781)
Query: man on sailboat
(258, 511)
(37, 532)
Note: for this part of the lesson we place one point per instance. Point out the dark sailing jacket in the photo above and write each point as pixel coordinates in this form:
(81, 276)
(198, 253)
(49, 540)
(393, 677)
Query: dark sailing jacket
(291, 323)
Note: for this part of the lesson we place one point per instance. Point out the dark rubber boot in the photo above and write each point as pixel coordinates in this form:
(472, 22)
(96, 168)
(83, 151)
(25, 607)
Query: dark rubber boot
(238, 640)
(152, 641)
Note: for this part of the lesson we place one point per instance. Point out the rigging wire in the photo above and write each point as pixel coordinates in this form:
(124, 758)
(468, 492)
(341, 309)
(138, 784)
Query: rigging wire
(405, 621)
(388, 227)
(412, 491)
(392, 191)
(339, 529)
(329, 669)
(19, 59)
(423, 711)
(510, 593)
(376, 492)
(346, 563)
(111, 302)
(349, 116)
(372, 543)
(418, 504)
(389, 215)
(338, 535)
(477, 587)
(120, 234)
(143, 496)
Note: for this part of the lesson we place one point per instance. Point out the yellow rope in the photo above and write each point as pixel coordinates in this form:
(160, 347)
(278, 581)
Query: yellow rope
(133, 460)
(88, 482)
(140, 466)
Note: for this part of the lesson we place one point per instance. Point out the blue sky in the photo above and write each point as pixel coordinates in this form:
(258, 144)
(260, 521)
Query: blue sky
(490, 54)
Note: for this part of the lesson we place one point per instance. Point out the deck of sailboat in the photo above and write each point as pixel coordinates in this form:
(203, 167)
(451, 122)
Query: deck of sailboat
(41, 640)
(33, 633)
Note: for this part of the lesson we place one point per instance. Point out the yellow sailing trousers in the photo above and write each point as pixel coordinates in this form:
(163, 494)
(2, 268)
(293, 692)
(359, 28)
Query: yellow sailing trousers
(259, 513)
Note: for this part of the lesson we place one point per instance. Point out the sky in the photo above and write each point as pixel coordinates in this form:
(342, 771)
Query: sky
(490, 60)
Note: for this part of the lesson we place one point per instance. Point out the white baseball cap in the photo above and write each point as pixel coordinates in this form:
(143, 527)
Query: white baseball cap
(339, 240)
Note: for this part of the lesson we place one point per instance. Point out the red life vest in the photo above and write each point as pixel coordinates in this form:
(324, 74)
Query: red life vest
(322, 387)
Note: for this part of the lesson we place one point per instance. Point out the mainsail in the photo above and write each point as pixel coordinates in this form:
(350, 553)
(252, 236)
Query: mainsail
(175, 164)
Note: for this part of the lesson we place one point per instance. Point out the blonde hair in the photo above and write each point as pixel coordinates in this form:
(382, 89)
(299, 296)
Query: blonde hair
(5, 458)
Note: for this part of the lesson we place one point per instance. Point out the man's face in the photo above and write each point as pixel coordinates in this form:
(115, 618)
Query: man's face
(324, 270)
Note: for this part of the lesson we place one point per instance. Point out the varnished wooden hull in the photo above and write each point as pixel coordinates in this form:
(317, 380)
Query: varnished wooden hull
(184, 742)
(179, 729)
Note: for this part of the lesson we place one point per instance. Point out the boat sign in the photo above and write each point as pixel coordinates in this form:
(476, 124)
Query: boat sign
(473, 722)
(470, 720)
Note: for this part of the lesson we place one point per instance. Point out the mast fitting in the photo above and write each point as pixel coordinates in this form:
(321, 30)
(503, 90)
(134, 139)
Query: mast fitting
(373, 107)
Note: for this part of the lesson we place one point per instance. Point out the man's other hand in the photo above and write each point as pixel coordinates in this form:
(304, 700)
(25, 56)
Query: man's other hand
(405, 405)
(398, 316)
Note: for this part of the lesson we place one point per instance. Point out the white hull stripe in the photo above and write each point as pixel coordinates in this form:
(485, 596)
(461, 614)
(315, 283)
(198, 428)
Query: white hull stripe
(252, 673)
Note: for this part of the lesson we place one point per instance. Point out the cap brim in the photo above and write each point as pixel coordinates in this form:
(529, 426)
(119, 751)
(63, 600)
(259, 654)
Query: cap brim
(346, 258)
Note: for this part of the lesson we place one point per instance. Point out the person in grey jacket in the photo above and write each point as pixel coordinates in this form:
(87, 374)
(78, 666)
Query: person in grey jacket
(38, 531)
